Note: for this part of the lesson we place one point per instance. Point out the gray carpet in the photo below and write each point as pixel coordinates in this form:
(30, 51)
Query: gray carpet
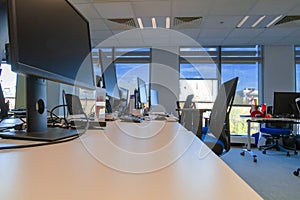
(271, 177)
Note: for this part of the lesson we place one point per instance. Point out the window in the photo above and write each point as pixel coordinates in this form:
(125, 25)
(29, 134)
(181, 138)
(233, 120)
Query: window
(8, 82)
(245, 63)
(199, 74)
(130, 63)
(203, 69)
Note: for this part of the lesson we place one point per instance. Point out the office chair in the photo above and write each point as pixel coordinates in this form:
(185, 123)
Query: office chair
(218, 136)
(188, 103)
(274, 132)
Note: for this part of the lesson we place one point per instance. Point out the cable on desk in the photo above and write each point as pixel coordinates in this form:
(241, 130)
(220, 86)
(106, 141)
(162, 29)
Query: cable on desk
(49, 143)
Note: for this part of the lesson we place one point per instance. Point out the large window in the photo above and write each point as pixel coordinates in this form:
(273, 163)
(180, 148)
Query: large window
(245, 63)
(203, 69)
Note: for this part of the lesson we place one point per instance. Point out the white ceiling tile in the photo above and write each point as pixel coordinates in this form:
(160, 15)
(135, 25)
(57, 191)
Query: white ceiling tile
(115, 10)
(243, 33)
(220, 21)
(231, 7)
(193, 33)
(273, 7)
(237, 41)
(263, 40)
(214, 32)
(204, 41)
(98, 24)
(190, 8)
(101, 34)
(88, 11)
(295, 10)
(277, 32)
(153, 8)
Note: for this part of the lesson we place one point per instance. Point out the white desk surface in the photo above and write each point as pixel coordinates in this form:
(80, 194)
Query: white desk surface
(151, 160)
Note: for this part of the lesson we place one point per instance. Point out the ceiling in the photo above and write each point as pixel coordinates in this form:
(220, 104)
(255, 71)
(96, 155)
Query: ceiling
(216, 26)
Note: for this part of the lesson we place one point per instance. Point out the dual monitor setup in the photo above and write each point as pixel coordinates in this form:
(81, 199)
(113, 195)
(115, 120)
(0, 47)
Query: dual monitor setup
(119, 97)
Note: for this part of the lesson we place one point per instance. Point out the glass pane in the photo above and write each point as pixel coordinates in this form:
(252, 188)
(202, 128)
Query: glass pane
(8, 81)
(247, 88)
(198, 71)
(203, 90)
(127, 74)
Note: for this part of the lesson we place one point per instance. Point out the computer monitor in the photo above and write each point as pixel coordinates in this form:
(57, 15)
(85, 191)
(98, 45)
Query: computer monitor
(153, 97)
(142, 90)
(110, 82)
(3, 29)
(48, 40)
(284, 103)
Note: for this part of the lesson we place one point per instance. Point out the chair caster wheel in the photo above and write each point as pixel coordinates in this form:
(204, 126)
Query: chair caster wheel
(242, 153)
(295, 153)
(288, 154)
(255, 159)
(296, 173)
(264, 152)
(259, 148)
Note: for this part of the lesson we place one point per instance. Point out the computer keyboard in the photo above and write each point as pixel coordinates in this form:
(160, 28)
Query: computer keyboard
(131, 118)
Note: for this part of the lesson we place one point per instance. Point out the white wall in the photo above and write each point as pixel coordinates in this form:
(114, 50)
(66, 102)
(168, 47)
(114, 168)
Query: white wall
(278, 71)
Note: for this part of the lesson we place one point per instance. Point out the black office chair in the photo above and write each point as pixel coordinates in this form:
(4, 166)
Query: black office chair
(218, 136)
(188, 103)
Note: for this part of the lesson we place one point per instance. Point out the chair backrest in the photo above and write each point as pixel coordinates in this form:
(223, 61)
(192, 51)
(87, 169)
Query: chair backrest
(188, 103)
(219, 117)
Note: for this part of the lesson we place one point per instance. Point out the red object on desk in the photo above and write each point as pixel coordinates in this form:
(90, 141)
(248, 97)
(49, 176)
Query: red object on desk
(257, 113)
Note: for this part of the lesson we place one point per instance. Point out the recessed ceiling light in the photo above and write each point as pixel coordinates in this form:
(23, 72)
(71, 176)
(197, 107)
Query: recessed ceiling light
(240, 24)
(140, 22)
(168, 22)
(258, 21)
(273, 21)
(153, 22)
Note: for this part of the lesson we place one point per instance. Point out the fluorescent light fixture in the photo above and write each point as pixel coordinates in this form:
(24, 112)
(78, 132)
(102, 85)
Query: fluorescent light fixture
(140, 22)
(273, 21)
(168, 22)
(258, 21)
(153, 22)
(240, 24)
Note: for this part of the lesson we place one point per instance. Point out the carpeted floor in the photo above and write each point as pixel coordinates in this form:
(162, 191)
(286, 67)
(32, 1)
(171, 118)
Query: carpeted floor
(271, 176)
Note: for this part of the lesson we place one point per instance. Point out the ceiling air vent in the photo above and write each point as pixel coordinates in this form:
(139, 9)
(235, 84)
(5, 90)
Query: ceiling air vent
(187, 22)
(124, 23)
(288, 19)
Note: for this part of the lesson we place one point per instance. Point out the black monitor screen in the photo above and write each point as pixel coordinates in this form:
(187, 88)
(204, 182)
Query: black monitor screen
(284, 103)
(110, 81)
(142, 89)
(50, 39)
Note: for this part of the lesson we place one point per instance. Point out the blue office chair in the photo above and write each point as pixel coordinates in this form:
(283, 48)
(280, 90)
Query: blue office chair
(275, 132)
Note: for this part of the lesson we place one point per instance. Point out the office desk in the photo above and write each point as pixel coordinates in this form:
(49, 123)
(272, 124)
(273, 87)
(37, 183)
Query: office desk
(151, 160)
(261, 121)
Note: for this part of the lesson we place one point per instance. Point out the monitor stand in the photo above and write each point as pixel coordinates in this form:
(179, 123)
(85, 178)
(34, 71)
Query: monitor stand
(36, 116)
